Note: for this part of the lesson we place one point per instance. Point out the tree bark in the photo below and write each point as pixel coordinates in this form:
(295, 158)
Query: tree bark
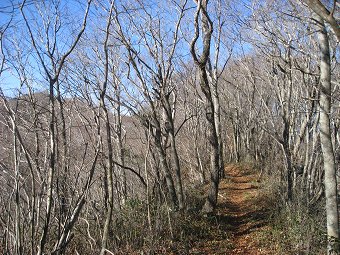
(326, 142)
(325, 15)
(175, 158)
(165, 168)
(201, 63)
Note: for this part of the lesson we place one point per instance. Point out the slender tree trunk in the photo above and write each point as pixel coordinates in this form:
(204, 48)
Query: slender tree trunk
(288, 157)
(18, 246)
(326, 142)
(175, 157)
(120, 155)
(236, 138)
(109, 170)
(217, 120)
(62, 180)
(171, 131)
(109, 180)
(51, 169)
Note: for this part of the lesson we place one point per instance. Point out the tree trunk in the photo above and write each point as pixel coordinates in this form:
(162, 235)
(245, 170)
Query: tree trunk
(201, 63)
(104, 109)
(288, 158)
(175, 157)
(165, 169)
(217, 120)
(326, 142)
(51, 169)
(109, 178)
(211, 200)
(170, 128)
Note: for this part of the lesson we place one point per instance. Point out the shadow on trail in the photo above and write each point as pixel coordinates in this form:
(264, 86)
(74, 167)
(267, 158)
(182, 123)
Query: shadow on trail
(239, 209)
(244, 224)
(239, 215)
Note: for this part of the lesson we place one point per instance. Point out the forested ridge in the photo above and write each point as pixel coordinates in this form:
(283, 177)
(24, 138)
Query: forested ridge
(169, 127)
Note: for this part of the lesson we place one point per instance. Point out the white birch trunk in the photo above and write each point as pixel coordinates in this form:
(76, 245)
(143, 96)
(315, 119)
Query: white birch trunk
(326, 142)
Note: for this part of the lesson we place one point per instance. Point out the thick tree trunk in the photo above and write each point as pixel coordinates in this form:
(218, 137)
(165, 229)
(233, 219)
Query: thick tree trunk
(201, 63)
(326, 142)
(166, 170)
(325, 15)
(211, 200)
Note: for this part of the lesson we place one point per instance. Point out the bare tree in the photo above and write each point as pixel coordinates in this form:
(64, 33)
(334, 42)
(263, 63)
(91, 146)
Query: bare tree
(156, 63)
(52, 69)
(325, 14)
(110, 165)
(201, 63)
(326, 141)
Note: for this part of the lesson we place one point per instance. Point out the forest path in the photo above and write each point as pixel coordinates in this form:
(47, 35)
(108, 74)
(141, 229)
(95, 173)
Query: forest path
(241, 213)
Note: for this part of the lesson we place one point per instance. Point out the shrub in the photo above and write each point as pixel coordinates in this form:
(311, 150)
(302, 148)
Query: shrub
(296, 227)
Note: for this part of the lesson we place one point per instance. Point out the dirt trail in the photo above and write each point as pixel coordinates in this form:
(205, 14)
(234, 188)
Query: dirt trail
(240, 214)
(239, 203)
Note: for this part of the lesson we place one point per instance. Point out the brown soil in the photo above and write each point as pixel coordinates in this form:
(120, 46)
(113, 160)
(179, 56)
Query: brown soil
(241, 214)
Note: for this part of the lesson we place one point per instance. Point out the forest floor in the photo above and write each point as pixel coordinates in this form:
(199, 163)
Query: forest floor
(241, 214)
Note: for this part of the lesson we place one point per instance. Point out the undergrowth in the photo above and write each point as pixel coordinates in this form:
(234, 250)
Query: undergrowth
(295, 227)
(170, 232)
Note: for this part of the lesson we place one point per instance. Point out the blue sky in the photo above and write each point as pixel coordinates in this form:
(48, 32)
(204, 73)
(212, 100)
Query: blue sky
(17, 35)
(74, 12)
